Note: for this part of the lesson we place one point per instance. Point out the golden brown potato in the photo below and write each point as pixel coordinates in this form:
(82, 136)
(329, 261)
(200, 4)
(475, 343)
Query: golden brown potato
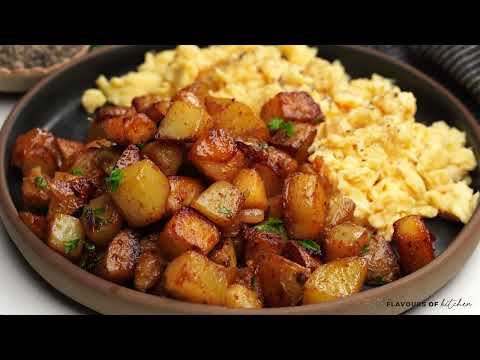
(252, 216)
(293, 106)
(192, 277)
(95, 131)
(108, 112)
(241, 297)
(414, 241)
(282, 281)
(68, 194)
(142, 103)
(272, 182)
(126, 130)
(344, 241)
(335, 280)
(183, 192)
(69, 148)
(258, 243)
(249, 182)
(307, 168)
(304, 202)
(221, 203)
(158, 110)
(183, 122)
(66, 236)
(167, 156)
(193, 94)
(35, 190)
(217, 156)
(86, 162)
(237, 119)
(150, 266)
(130, 156)
(101, 220)
(301, 255)
(140, 192)
(187, 230)
(36, 148)
(37, 224)
(298, 144)
(340, 210)
(119, 262)
(224, 254)
(383, 267)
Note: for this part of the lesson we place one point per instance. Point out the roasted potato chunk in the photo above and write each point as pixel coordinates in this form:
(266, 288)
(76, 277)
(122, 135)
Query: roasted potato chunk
(108, 112)
(293, 106)
(335, 280)
(101, 220)
(304, 203)
(183, 122)
(414, 241)
(150, 266)
(127, 130)
(383, 267)
(69, 148)
(282, 281)
(192, 277)
(193, 94)
(304, 257)
(298, 144)
(130, 156)
(158, 111)
(252, 216)
(275, 207)
(258, 243)
(224, 254)
(217, 156)
(187, 230)
(183, 192)
(241, 297)
(249, 182)
(167, 156)
(344, 241)
(68, 194)
(272, 182)
(141, 193)
(35, 190)
(221, 203)
(37, 224)
(340, 210)
(66, 236)
(119, 262)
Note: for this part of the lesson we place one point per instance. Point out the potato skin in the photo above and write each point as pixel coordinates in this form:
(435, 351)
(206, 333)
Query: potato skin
(340, 210)
(130, 156)
(187, 230)
(142, 103)
(414, 241)
(142, 194)
(127, 130)
(275, 207)
(335, 280)
(296, 253)
(259, 243)
(63, 229)
(183, 191)
(298, 144)
(224, 254)
(304, 204)
(241, 297)
(119, 262)
(33, 197)
(272, 182)
(167, 156)
(108, 112)
(293, 106)
(37, 224)
(249, 182)
(344, 241)
(69, 148)
(192, 277)
(383, 267)
(252, 216)
(150, 266)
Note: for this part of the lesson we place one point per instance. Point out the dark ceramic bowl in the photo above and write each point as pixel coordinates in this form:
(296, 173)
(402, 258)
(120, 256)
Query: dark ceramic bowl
(54, 104)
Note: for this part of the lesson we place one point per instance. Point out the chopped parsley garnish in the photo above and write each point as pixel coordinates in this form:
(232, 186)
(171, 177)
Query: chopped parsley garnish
(114, 180)
(224, 211)
(277, 124)
(40, 182)
(94, 217)
(141, 146)
(253, 282)
(272, 225)
(71, 245)
(379, 280)
(76, 171)
(90, 247)
(365, 250)
(310, 245)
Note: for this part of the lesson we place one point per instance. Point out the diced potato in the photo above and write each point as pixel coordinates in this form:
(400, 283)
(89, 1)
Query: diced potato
(344, 241)
(87, 162)
(335, 280)
(101, 220)
(383, 267)
(252, 216)
(66, 236)
(221, 203)
(150, 266)
(282, 281)
(295, 252)
(167, 156)
(68, 194)
(142, 103)
(249, 182)
(340, 210)
(307, 168)
(142, 194)
(37, 224)
(130, 156)
(184, 122)
(119, 262)
(95, 131)
(272, 182)
(259, 243)
(304, 201)
(225, 255)
(193, 94)
(192, 277)
(187, 230)
(293, 106)
(69, 148)
(236, 118)
(35, 193)
(183, 191)
(414, 241)
(158, 111)
(108, 112)
(298, 144)
(275, 207)
(127, 130)
(241, 297)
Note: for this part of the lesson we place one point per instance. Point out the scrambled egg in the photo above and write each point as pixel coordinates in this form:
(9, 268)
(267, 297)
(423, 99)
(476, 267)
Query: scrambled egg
(376, 152)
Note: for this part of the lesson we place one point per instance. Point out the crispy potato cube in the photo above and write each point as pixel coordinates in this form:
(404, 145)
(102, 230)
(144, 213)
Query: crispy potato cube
(304, 202)
(167, 156)
(35, 193)
(150, 266)
(130, 156)
(193, 94)
(69, 148)
(335, 280)
(127, 130)
(344, 241)
(108, 112)
(183, 191)
(383, 267)
(258, 243)
(192, 277)
(187, 230)
(293, 106)
(158, 111)
(249, 182)
(184, 122)
(414, 241)
(224, 254)
(272, 182)
(340, 210)
(142, 103)
(101, 220)
(282, 281)
(37, 224)
(298, 144)
(295, 252)
(142, 194)
(252, 216)
(68, 194)
(66, 236)
(221, 203)
(119, 261)
(241, 297)
(275, 207)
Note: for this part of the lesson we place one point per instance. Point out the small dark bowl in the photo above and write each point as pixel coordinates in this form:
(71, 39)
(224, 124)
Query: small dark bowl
(54, 104)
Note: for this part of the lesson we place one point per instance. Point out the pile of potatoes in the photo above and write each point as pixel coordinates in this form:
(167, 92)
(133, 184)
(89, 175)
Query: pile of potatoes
(199, 199)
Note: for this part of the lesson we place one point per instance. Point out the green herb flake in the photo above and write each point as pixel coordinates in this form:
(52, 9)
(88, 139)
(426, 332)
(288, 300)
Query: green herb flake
(277, 124)
(379, 280)
(365, 250)
(310, 245)
(141, 146)
(253, 282)
(76, 171)
(90, 247)
(114, 180)
(71, 245)
(224, 211)
(40, 182)
(272, 225)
